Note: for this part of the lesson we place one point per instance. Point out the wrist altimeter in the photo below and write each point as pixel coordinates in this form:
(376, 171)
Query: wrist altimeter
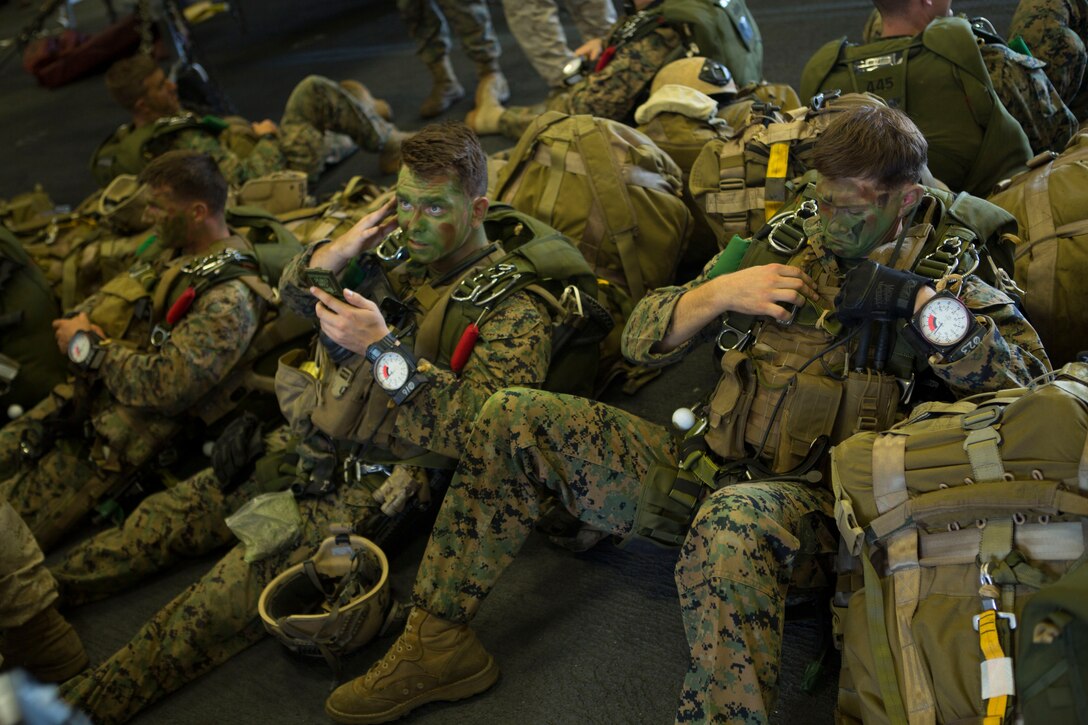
(946, 326)
(395, 369)
(86, 350)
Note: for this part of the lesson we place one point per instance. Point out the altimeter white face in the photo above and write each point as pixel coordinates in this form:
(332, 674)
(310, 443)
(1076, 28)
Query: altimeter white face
(944, 321)
(80, 347)
(391, 370)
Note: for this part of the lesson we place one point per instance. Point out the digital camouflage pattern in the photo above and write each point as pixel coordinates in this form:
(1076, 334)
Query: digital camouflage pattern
(613, 92)
(26, 587)
(143, 393)
(429, 23)
(527, 444)
(1029, 97)
(316, 105)
(217, 617)
(1056, 32)
(539, 32)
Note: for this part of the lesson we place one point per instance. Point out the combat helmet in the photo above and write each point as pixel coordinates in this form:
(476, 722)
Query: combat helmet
(705, 75)
(333, 603)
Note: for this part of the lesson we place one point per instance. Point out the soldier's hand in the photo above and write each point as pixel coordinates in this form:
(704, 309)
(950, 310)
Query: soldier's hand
(591, 49)
(355, 324)
(366, 234)
(266, 127)
(65, 328)
(872, 291)
(763, 290)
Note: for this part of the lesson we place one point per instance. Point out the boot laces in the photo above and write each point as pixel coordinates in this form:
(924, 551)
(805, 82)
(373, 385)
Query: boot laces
(390, 659)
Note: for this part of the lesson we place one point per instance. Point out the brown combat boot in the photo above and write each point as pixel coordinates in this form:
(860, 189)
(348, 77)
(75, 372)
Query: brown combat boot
(492, 88)
(433, 659)
(484, 120)
(389, 156)
(46, 646)
(363, 95)
(445, 91)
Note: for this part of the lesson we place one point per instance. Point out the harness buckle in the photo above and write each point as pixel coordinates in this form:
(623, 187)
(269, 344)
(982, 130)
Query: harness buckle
(742, 338)
(159, 335)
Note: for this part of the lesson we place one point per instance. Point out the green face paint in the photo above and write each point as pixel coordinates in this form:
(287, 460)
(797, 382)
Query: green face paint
(856, 217)
(435, 214)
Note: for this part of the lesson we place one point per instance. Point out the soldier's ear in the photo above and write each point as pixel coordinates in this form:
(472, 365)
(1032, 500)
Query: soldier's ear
(479, 210)
(912, 196)
(198, 211)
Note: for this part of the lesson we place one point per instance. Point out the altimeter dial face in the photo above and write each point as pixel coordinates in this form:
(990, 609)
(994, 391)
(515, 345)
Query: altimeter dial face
(391, 370)
(80, 347)
(944, 321)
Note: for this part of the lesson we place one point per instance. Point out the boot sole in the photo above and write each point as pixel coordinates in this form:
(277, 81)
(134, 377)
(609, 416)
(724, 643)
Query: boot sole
(452, 692)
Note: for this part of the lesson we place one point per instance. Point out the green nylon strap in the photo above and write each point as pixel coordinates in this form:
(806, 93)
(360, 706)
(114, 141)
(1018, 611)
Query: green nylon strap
(880, 646)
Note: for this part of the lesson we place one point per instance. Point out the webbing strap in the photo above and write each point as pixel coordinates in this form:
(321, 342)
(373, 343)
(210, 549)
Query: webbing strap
(775, 188)
(906, 574)
(889, 472)
(881, 648)
(610, 195)
(981, 443)
(1082, 469)
(557, 154)
(996, 669)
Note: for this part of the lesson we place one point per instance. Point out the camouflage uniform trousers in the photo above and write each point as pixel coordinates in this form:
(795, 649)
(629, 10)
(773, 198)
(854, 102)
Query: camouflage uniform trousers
(1056, 31)
(213, 620)
(429, 24)
(613, 92)
(1029, 97)
(536, 25)
(316, 105)
(26, 587)
(734, 567)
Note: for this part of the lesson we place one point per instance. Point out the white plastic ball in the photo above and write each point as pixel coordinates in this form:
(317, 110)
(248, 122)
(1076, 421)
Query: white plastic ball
(14, 411)
(683, 419)
(208, 446)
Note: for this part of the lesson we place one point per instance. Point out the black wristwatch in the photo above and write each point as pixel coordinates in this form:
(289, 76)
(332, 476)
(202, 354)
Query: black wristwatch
(86, 350)
(945, 326)
(395, 369)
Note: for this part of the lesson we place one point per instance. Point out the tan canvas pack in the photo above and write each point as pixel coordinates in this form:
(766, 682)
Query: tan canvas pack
(951, 521)
(739, 183)
(607, 187)
(276, 193)
(1050, 204)
(358, 197)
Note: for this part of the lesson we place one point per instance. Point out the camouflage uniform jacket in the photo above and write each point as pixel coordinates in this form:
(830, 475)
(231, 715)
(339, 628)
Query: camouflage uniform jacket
(616, 90)
(202, 347)
(1010, 354)
(1056, 31)
(514, 348)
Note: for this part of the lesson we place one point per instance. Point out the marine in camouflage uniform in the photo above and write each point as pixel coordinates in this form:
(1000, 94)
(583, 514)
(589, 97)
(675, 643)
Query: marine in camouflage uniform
(429, 23)
(1056, 32)
(740, 553)
(1020, 81)
(536, 25)
(242, 150)
(136, 401)
(217, 617)
(636, 49)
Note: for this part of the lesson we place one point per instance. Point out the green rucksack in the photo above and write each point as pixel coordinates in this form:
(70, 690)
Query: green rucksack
(1050, 205)
(609, 189)
(937, 78)
(1052, 672)
(951, 522)
(723, 30)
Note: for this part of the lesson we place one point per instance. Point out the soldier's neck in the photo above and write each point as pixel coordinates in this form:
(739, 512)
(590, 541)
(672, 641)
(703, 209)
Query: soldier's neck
(214, 231)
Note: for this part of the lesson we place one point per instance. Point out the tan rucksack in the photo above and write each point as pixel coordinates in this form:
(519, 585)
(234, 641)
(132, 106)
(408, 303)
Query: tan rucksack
(358, 197)
(952, 520)
(738, 184)
(607, 187)
(1050, 202)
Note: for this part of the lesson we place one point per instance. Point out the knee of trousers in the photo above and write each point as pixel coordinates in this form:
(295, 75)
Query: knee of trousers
(518, 415)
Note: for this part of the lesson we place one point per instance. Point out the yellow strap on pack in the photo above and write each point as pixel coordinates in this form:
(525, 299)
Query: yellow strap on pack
(997, 673)
(777, 165)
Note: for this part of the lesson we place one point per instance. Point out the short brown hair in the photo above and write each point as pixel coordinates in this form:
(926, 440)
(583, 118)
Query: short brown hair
(448, 148)
(871, 142)
(191, 176)
(125, 79)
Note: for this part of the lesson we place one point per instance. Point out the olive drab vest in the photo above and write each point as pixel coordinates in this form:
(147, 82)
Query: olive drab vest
(33, 365)
(785, 393)
(973, 141)
(129, 149)
(724, 30)
(344, 402)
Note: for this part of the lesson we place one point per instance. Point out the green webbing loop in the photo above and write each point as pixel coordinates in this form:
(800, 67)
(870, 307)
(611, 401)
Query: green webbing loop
(881, 648)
